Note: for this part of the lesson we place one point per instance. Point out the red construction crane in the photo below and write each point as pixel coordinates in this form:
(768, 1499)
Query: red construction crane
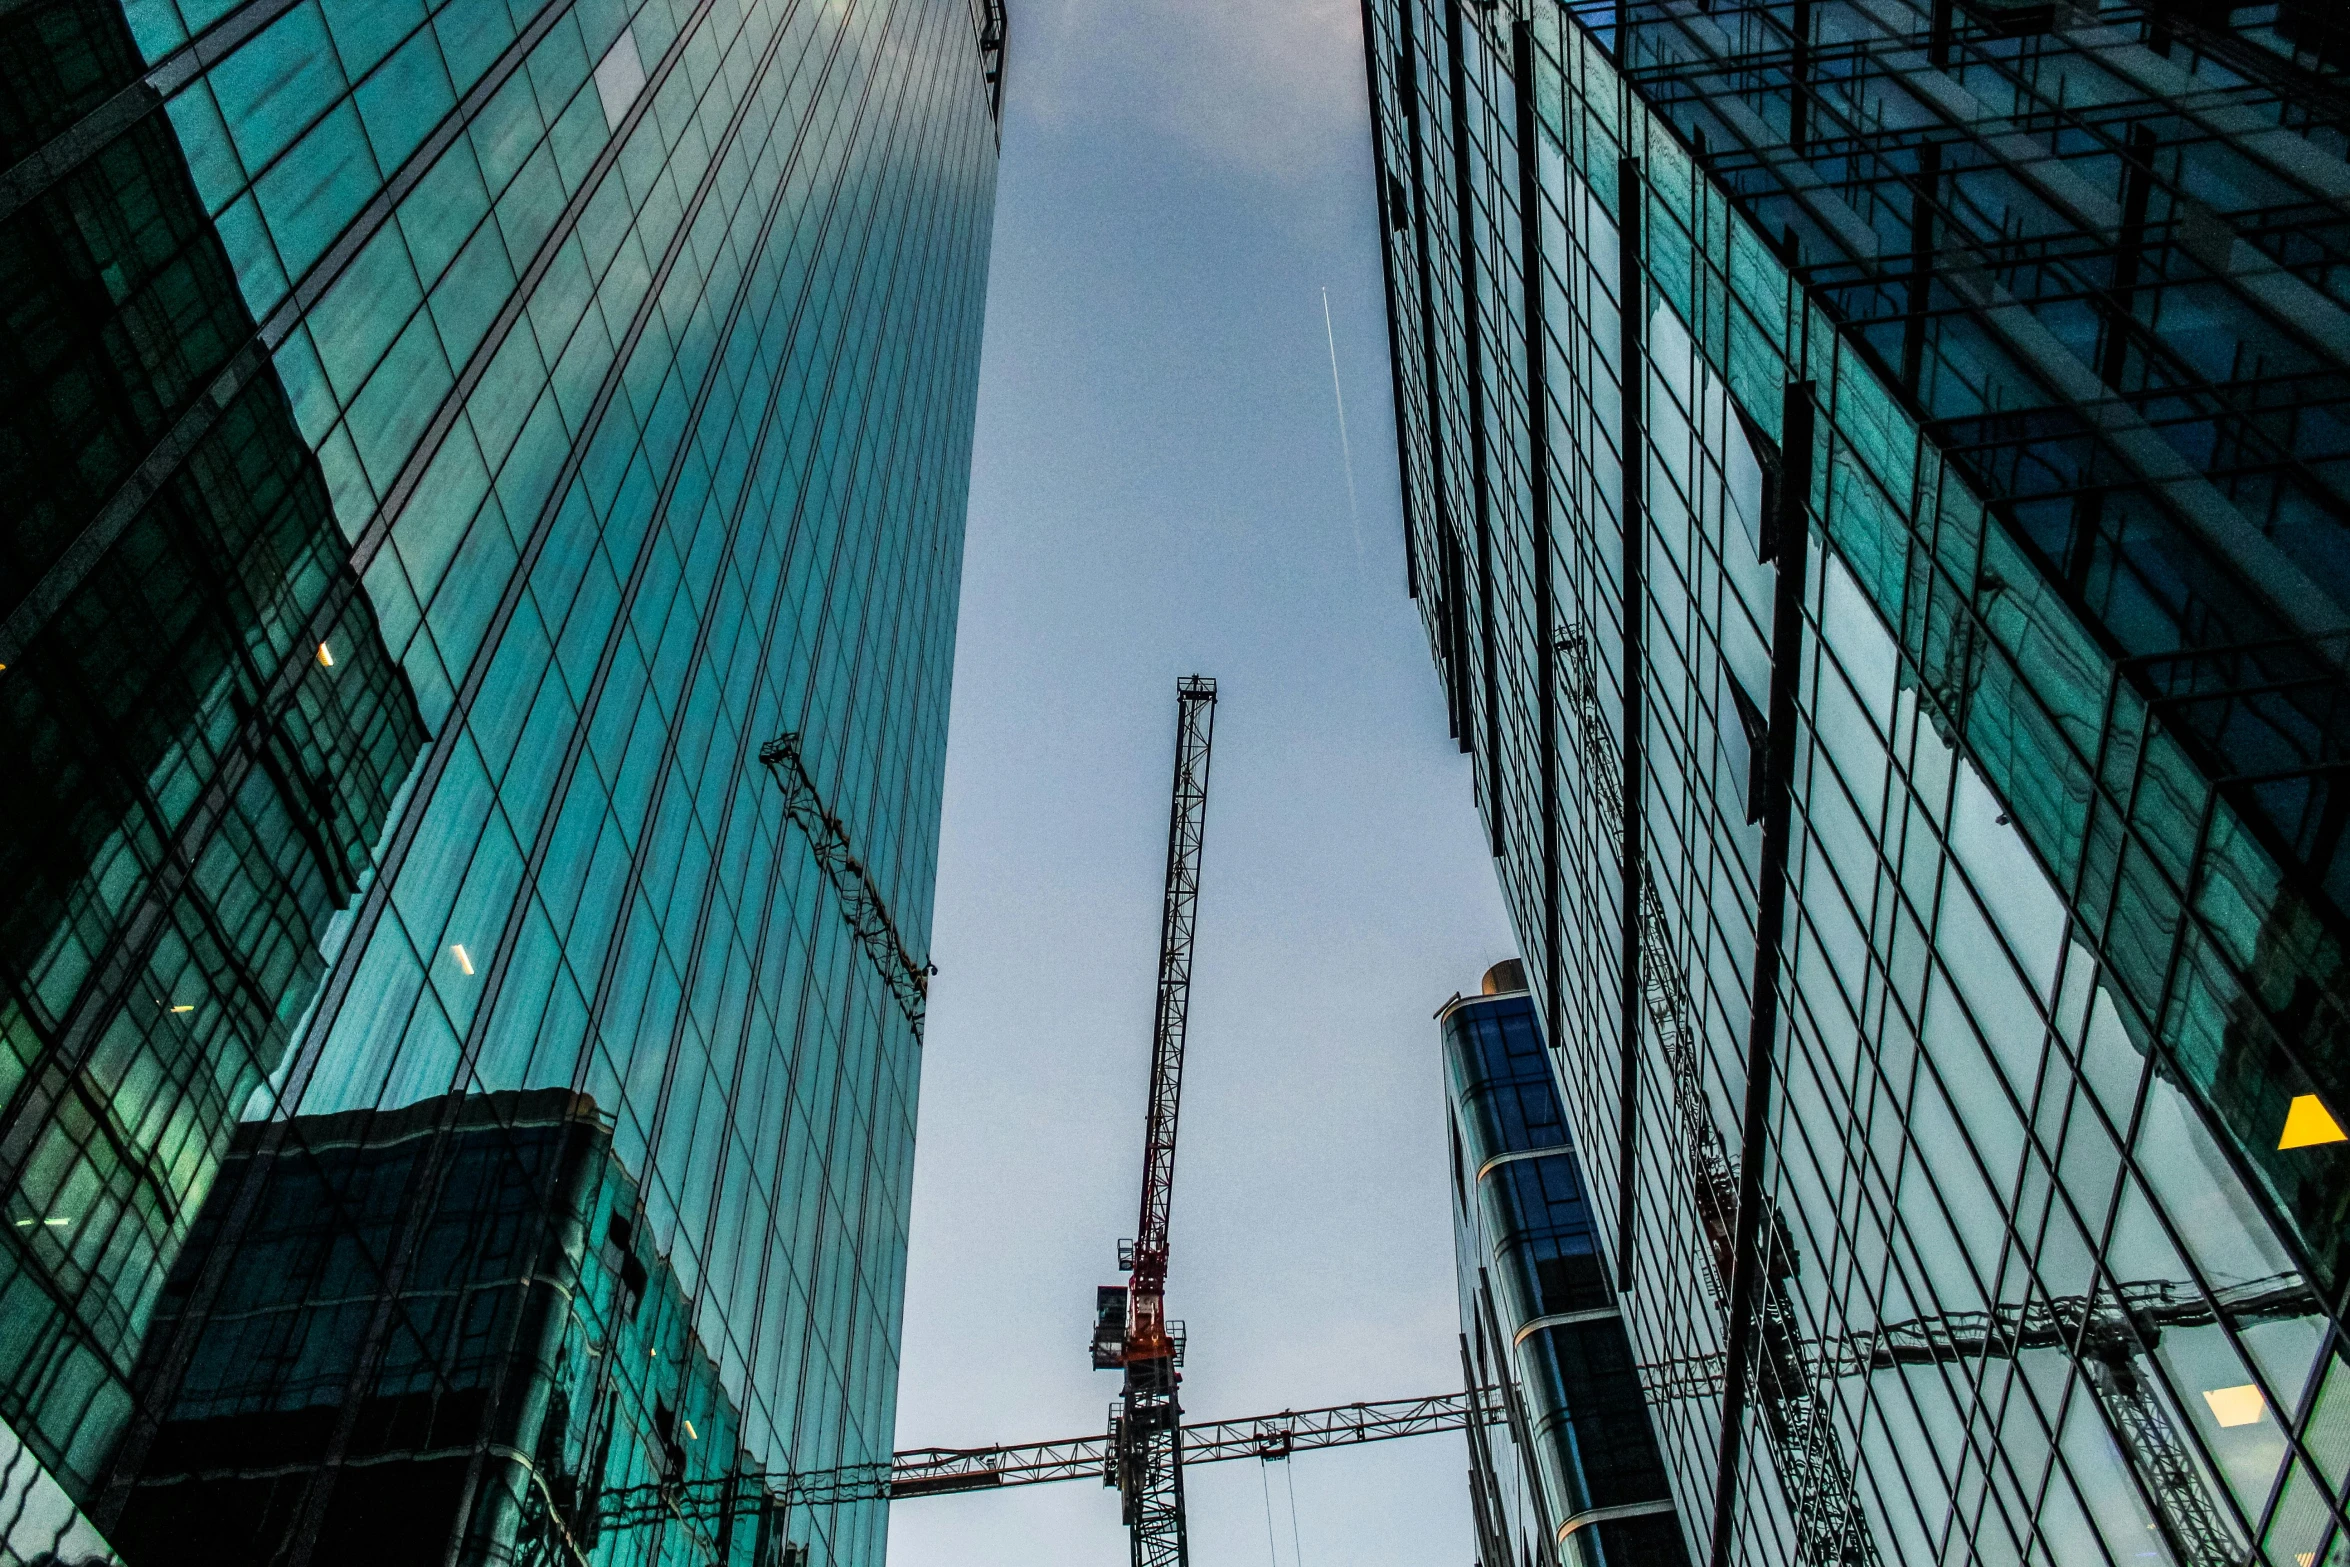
(1131, 1330)
(1146, 1446)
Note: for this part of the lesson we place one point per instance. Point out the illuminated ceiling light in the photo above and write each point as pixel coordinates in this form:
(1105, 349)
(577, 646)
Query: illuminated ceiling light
(24, 1224)
(2235, 1406)
(2308, 1124)
(57, 1224)
(691, 1434)
(185, 1006)
(326, 656)
(463, 962)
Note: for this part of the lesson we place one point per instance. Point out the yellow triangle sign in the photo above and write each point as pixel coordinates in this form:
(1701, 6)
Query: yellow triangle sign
(2307, 1124)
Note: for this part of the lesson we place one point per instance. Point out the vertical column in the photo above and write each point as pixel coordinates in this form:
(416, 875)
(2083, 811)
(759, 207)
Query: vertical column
(1480, 479)
(1407, 72)
(1925, 194)
(1453, 627)
(1521, 1425)
(1631, 300)
(1485, 1502)
(1531, 269)
(1790, 547)
(2118, 308)
(1799, 78)
(1394, 213)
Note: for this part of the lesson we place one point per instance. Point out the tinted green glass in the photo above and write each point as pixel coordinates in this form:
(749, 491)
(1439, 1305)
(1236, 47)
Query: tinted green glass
(407, 940)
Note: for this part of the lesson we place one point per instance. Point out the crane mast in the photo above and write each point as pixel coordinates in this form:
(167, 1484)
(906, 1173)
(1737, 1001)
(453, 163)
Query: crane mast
(1131, 1329)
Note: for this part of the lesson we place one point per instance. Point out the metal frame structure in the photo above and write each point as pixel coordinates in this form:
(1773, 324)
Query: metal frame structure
(2038, 232)
(2035, 225)
(861, 904)
(1146, 1431)
(993, 32)
(2113, 1331)
(941, 1471)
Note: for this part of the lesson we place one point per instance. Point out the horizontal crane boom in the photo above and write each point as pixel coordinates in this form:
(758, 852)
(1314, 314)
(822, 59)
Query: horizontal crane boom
(938, 1471)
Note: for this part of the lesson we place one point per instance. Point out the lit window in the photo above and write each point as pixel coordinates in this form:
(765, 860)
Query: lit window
(464, 960)
(2235, 1406)
(2307, 1124)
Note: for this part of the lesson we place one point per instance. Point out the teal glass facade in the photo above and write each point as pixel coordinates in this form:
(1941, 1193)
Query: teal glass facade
(446, 443)
(190, 794)
(1874, 484)
(1572, 1472)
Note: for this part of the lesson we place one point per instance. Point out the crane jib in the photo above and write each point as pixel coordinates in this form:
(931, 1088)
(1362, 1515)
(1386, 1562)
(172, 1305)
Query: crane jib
(1146, 1426)
(1195, 710)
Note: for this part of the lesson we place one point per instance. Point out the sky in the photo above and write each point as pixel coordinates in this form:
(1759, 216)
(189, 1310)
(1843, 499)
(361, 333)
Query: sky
(1160, 489)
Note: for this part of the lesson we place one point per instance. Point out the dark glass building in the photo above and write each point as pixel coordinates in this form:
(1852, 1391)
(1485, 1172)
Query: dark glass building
(1571, 1473)
(1876, 492)
(540, 1383)
(485, 489)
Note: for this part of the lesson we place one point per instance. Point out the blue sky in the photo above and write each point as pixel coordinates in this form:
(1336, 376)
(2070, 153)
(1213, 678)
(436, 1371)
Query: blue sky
(1158, 491)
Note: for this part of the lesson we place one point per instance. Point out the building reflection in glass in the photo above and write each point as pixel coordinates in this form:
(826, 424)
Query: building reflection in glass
(195, 781)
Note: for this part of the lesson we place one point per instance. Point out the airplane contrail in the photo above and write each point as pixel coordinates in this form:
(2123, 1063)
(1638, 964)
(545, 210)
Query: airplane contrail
(1346, 449)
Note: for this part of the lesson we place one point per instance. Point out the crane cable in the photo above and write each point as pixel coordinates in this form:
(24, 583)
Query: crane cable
(1272, 1553)
(1297, 1555)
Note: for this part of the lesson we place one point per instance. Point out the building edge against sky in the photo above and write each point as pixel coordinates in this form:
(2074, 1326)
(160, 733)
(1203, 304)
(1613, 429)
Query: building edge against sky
(1968, 759)
(488, 430)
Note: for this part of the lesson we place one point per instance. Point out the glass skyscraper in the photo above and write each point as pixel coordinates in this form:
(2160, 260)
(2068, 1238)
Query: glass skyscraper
(1874, 472)
(484, 498)
(1571, 1472)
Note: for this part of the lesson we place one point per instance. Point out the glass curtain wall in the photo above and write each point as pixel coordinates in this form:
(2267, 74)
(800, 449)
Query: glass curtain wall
(491, 625)
(193, 784)
(1941, 635)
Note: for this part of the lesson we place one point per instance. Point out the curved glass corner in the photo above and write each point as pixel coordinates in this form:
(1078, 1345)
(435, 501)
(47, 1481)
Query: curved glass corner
(1579, 1467)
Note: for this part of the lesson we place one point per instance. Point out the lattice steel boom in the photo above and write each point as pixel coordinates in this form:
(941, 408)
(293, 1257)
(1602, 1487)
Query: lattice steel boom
(1146, 1433)
(861, 903)
(1195, 720)
(939, 1471)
